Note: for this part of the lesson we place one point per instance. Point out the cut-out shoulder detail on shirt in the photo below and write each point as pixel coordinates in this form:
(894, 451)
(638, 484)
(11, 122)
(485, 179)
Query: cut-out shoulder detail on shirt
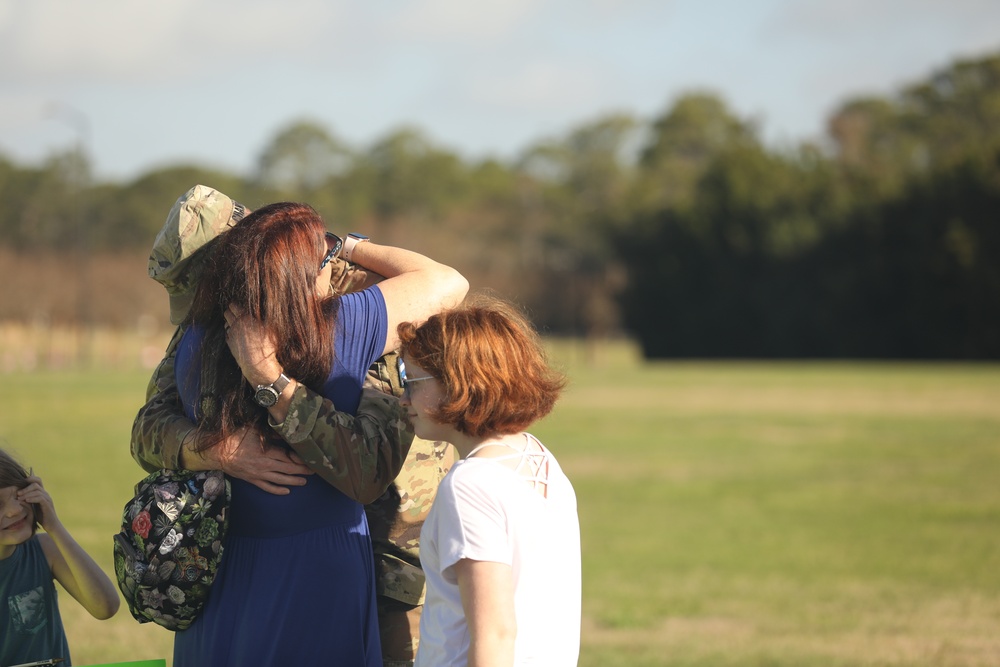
(533, 466)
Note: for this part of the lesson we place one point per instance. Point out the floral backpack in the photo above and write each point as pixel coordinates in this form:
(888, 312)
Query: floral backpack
(170, 545)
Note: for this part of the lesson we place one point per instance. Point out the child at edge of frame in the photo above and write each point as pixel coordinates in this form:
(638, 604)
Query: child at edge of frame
(31, 629)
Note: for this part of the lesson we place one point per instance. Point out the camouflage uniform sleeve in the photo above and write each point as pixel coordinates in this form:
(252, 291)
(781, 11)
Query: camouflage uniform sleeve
(359, 455)
(395, 519)
(347, 277)
(160, 428)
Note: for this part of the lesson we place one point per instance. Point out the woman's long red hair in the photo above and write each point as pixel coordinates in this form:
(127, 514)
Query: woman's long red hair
(267, 265)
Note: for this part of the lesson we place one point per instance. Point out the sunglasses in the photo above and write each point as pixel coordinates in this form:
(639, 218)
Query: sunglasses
(405, 381)
(335, 243)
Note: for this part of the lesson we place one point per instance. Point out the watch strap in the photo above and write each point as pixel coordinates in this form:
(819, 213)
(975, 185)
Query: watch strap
(267, 395)
(350, 242)
(280, 384)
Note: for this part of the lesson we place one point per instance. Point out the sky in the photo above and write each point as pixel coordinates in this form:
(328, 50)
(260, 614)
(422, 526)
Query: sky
(147, 85)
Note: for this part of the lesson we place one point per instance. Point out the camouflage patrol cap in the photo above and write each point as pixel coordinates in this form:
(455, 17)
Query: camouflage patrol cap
(197, 217)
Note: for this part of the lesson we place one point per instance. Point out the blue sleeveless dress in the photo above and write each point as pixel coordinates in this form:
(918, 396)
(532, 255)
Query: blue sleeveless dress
(296, 585)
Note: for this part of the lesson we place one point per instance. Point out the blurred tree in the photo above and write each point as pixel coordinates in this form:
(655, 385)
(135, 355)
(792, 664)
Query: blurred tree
(918, 276)
(492, 184)
(301, 159)
(874, 148)
(881, 243)
(752, 201)
(572, 191)
(413, 180)
(957, 111)
(928, 126)
(44, 207)
(130, 215)
(543, 172)
(15, 185)
(601, 166)
(491, 218)
(707, 279)
(681, 144)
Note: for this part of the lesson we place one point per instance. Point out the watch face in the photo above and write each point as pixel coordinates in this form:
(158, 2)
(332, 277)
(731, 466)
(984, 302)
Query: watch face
(266, 396)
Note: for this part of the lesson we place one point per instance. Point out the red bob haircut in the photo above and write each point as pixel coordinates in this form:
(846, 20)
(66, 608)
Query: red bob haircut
(491, 363)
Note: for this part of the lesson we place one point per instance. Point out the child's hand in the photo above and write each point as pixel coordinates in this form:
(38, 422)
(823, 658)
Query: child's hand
(71, 566)
(45, 510)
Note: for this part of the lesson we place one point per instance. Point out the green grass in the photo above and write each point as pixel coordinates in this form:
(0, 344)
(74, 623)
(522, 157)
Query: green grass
(73, 428)
(779, 514)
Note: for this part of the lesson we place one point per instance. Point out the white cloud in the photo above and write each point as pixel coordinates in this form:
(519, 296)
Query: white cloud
(121, 41)
(538, 85)
(881, 15)
(491, 74)
(21, 108)
(462, 21)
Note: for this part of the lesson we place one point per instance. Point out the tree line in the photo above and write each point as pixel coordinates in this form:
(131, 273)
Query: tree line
(684, 231)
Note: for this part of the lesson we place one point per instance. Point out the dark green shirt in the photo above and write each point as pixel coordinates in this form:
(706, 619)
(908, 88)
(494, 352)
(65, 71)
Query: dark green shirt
(30, 625)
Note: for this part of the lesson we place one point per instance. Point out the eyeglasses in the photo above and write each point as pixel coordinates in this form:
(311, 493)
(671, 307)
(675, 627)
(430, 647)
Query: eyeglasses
(405, 381)
(335, 243)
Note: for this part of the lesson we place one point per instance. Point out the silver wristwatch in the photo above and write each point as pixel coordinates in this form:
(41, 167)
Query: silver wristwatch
(267, 395)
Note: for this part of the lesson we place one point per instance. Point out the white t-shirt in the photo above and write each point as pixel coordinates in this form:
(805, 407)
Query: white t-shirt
(487, 512)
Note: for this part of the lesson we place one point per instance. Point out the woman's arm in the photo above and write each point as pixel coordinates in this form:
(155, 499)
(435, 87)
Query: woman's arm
(415, 286)
(70, 564)
(487, 591)
(359, 455)
(162, 437)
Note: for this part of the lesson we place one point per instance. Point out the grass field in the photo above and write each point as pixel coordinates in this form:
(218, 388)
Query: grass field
(779, 514)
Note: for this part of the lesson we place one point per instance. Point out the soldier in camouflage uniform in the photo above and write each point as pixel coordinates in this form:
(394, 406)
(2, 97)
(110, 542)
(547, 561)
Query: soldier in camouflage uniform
(358, 454)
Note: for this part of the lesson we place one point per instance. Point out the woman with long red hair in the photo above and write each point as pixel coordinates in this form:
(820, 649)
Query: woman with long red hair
(296, 582)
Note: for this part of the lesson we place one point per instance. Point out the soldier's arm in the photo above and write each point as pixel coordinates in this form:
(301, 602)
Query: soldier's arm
(395, 520)
(160, 428)
(360, 455)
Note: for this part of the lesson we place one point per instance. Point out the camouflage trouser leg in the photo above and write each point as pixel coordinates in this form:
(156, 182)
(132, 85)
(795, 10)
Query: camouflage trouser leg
(399, 626)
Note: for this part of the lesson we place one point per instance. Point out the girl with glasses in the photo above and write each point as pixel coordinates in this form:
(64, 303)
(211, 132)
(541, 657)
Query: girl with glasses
(501, 545)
